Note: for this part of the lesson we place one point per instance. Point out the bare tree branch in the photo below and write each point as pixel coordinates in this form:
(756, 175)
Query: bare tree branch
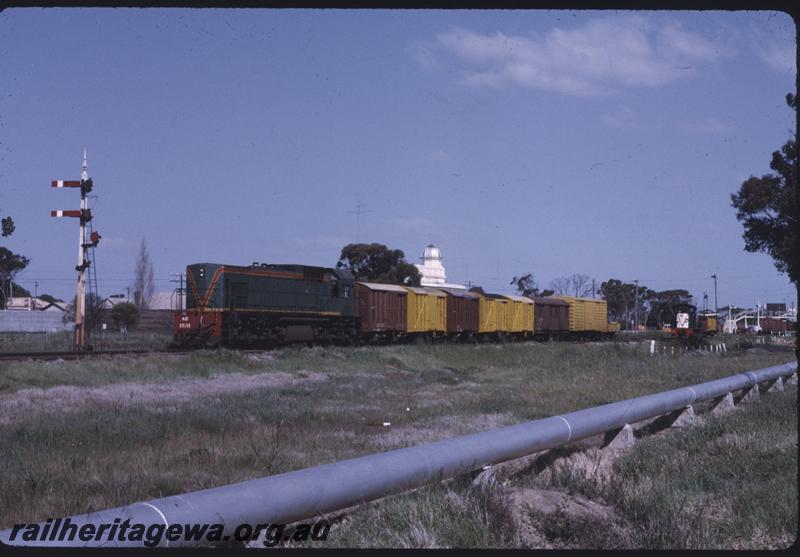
(143, 278)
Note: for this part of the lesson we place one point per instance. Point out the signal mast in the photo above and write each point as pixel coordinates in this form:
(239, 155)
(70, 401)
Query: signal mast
(85, 216)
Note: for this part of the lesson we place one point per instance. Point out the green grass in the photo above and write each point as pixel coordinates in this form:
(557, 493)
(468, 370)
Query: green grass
(729, 483)
(448, 364)
(100, 433)
(444, 515)
(62, 341)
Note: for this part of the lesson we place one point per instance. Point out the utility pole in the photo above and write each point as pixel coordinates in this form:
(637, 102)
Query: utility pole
(360, 208)
(178, 279)
(85, 216)
(636, 315)
(758, 313)
(592, 288)
(730, 318)
(716, 306)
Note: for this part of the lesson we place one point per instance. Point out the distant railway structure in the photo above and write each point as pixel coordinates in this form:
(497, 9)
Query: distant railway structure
(87, 241)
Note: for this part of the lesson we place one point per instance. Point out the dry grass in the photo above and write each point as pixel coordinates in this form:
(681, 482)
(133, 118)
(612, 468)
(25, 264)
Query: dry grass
(728, 483)
(97, 434)
(62, 341)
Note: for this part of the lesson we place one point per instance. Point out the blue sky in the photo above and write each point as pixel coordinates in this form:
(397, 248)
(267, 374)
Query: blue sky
(554, 142)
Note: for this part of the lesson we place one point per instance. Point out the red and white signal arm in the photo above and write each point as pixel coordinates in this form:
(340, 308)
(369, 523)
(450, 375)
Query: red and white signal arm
(682, 321)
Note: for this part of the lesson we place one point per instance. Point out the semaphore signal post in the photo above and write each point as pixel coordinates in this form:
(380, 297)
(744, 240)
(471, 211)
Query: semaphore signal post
(84, 244)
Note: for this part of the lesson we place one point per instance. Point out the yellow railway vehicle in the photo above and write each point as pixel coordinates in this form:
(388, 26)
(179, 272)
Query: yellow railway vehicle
(707, 323)
(487, 312)
(588, 317)
(519, 317)
(501, 308)
(427, 310)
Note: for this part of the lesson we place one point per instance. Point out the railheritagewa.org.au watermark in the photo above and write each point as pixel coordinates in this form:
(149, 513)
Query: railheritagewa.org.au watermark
(58, 530)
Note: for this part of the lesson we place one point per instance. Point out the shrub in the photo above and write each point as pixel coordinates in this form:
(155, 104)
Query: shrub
(125, 314)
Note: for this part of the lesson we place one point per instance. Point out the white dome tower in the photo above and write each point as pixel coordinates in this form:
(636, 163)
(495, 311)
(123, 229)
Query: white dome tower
(432, 270)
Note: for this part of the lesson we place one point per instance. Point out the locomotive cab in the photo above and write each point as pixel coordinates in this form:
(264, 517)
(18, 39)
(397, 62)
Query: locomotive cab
(685, 320)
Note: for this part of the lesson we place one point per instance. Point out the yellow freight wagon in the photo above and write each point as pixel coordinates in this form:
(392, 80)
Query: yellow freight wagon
(707, 322)
(427, 310)
(501, 312)
(487, 315)
(520, 315)
(587, 314)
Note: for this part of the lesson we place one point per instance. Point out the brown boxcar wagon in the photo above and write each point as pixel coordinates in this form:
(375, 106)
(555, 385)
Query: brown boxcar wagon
(771, 325)
(462, 313)
(382, 310)
(551, 317)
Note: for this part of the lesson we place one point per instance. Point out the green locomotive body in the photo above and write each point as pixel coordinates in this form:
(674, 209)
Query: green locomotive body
(265, 304)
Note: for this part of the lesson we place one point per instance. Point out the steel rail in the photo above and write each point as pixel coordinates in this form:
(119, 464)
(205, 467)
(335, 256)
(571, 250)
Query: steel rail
(303, 494)
(67, 355)
(72, 355)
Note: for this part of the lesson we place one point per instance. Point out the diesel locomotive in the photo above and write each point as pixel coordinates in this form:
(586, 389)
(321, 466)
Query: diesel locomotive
(690, 323)
(269, 305)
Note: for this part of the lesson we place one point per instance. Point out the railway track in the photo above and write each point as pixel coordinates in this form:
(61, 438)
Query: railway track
(16, 356)
(71, 355)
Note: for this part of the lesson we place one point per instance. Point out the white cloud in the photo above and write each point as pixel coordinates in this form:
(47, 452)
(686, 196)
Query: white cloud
(623, 118)
(108, 242)
(779, 56)
(440, 156)
(600, 56)
(709, 125)
(685, 44)
(422, 51)
(412, 223)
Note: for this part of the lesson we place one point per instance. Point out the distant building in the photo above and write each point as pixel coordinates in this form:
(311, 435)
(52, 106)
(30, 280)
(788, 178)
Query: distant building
(159, 300)
(432, 270)
(113, 300)
(29, 303)
(776, 308)
(164, 300)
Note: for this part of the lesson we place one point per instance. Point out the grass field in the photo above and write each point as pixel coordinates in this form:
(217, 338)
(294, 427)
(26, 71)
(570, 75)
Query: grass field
(101, 433)
(62, 341)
